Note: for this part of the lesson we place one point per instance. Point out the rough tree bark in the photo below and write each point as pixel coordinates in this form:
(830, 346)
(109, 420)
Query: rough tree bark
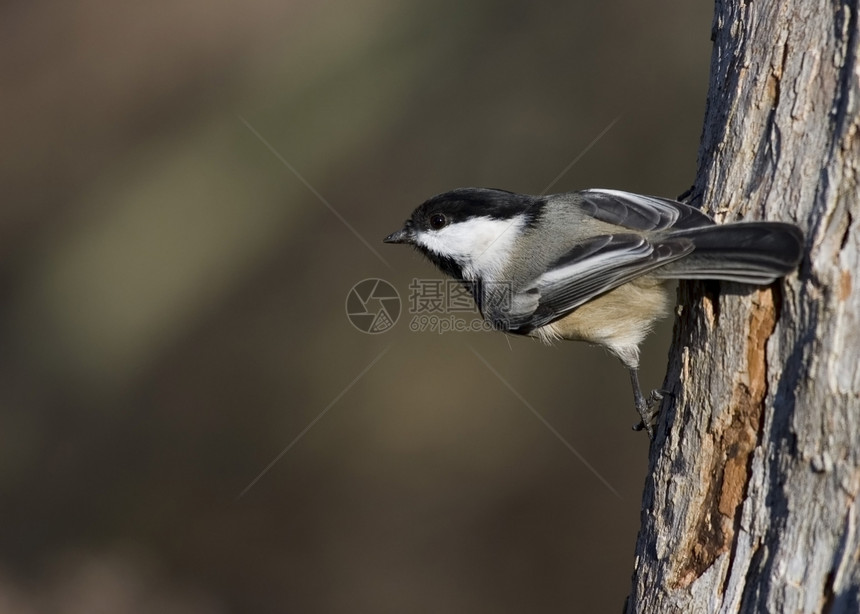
(751, 504)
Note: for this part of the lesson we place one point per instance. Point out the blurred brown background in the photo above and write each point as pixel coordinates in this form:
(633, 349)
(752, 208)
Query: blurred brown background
(173, 302)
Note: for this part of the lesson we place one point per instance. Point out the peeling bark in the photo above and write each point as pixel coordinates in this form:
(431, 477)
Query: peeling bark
(751, 504)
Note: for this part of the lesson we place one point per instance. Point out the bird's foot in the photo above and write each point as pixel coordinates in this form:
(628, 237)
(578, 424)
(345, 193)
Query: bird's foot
(649, 411)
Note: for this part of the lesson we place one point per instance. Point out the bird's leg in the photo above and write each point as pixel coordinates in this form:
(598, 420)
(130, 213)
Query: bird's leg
(647, 409)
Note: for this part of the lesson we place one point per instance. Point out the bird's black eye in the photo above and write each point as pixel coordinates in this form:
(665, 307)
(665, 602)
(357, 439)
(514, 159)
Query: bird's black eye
(437, 221)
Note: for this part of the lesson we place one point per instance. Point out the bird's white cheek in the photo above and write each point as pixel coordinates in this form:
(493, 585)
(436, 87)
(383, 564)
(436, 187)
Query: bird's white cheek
(481, 245)
(438, 245)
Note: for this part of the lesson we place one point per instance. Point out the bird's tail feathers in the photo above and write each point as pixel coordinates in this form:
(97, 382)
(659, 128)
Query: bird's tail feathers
(745, 252)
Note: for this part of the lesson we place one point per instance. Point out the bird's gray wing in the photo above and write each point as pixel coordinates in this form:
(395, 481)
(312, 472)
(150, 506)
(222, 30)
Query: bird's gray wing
(642, 213)
(583, 273)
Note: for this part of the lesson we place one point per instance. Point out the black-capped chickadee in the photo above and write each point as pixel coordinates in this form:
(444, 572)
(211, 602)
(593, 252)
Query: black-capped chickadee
(594, 265)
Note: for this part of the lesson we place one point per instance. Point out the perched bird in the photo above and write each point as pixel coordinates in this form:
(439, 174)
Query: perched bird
(594, 265)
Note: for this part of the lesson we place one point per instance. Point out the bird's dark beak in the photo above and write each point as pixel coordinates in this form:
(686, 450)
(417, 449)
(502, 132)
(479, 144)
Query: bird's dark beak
(404, 235)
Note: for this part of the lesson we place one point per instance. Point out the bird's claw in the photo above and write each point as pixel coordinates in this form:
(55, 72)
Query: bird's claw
(648, 411)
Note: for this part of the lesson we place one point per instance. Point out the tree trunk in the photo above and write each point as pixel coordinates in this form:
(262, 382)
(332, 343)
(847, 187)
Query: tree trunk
(751, 504)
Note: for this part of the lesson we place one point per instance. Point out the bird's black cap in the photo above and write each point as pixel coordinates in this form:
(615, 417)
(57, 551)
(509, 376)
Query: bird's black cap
(465, 203)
